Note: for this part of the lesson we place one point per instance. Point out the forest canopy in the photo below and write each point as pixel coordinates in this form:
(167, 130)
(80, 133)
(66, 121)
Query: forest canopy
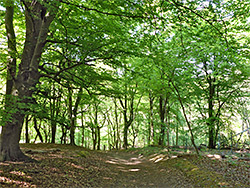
(119, 74)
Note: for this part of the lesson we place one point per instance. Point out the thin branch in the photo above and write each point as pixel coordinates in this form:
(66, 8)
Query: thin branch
(101, 12)
(199, 15)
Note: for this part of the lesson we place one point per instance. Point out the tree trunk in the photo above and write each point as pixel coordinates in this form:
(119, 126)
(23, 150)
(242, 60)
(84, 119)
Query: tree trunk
(125, 137)
(98, 138)
(117, 140)
(37, 130)
(83, 129)
(162, 108)
(54, 111)
(64, 135)
(151, 120)
(11, 131)
(37, 27)
(53, 131)
(211, 118)
(94, 137)
(10, 150)
(27, 140)
(127, 120)
(177, 134)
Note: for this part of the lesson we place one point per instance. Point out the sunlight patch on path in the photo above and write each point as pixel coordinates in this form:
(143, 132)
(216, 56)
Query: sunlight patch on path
(131, 161)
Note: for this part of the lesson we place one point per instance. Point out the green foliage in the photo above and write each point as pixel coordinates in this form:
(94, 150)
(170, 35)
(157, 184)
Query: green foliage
(121, 54)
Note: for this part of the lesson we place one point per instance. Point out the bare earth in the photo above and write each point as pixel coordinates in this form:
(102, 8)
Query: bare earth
(73, 167)
(130, 170)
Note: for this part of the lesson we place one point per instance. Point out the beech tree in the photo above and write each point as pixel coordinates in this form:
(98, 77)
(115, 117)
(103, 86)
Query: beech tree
(20, 83)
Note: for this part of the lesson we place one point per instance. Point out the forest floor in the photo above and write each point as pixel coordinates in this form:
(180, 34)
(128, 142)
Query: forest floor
(72, 166)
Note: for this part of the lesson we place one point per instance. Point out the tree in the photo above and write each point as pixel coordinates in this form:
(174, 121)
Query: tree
(21, 83)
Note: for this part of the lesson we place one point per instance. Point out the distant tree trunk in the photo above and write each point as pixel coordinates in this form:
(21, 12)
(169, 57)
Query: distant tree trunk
(135, 134)
(64, 135)
(151, 120)
(128, 114)
(177, 135)
(27, 119)
(83, 129)
(117, 140)
(72, 111)
(98, 138)
(54, 111)
(211, 118)
(168, 124)
(125, 137)
(37, 129)
(162, 112)
(94, 137)
(53, 131)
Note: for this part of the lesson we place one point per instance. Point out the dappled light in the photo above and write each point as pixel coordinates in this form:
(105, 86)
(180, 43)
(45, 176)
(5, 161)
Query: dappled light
(11, 182)
(139, 167)
(19, 173)
(134, 170)
(76, 166)
(214, 156)
(130, 161)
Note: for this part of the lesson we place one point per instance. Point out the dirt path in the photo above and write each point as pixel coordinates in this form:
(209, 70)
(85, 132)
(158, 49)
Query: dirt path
(71, 166)
(130, 170)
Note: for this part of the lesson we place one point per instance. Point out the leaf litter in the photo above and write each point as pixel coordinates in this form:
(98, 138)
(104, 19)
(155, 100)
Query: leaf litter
(72, 166)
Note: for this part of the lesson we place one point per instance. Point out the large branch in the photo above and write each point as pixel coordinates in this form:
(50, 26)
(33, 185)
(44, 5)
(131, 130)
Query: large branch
(11, 65)
(46, 21)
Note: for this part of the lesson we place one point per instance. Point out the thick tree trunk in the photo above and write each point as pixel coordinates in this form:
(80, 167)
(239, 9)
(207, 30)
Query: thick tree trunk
(11, 131)
(9, 141)
(37, 26)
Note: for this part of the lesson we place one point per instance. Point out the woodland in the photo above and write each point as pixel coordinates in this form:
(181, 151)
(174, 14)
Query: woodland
(122, 75)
